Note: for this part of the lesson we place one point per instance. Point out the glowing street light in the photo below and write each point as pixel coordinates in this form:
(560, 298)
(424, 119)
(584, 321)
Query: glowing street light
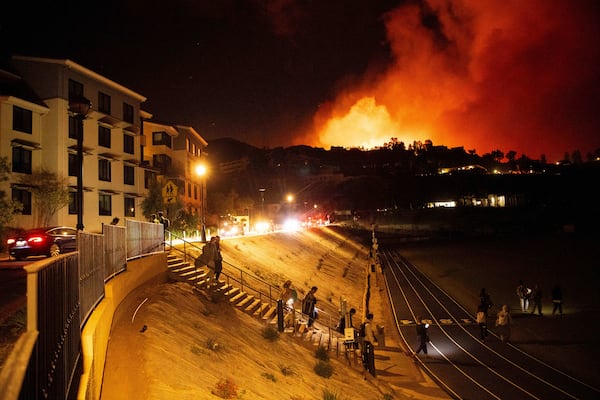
(202, 171)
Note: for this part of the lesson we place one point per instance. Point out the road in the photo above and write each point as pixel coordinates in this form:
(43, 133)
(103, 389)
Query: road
(462, 364)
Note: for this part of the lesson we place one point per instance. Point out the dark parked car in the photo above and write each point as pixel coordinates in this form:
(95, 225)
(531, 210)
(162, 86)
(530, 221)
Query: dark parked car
(50, 241)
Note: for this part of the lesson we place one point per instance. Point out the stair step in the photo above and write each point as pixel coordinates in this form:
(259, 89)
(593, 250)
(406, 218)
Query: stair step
(261, 310)
(252, 306)
(270, 313)
(232, 291)
(238, 297)
(245, 301)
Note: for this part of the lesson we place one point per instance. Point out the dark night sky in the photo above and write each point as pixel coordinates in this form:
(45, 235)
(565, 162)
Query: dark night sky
(509, 75)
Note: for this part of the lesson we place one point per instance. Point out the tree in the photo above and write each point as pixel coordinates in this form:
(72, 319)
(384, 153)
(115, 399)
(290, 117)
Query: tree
(8, 207)
(50, 193)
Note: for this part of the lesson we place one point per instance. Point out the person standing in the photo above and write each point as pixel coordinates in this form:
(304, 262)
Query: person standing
(210, 254)
(309, 305)
(503, 323)
(423, 336)
(523, 292)
(368, 345)
(481, 318)
(557, 298)
(485, 301)
(218, 259)
(536, 299)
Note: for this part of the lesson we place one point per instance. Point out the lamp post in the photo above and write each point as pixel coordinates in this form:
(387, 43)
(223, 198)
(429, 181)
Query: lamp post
(79, 107)
(201, 172)
(262, 200)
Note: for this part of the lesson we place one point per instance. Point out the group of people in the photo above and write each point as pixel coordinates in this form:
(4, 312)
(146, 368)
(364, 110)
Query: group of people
(212, 258)
(532, 298)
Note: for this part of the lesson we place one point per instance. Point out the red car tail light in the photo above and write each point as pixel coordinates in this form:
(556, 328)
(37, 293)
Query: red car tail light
(10, 241)
(36, 239)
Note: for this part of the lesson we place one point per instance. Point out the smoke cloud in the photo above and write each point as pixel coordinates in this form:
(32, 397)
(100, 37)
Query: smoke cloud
(486, 75)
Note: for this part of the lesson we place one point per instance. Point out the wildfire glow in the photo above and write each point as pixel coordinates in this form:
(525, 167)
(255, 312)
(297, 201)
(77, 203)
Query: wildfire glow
(511, 75)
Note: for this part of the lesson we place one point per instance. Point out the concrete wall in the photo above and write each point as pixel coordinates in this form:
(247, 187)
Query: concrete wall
(96, 332)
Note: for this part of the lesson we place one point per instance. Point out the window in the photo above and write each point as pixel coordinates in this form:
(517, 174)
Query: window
(75, 89)
(128, 113)
(72, 203)
(103, 136)
(73, 166)
(22, 119)
(129, 207)
(128, 175)
(189, 189)
(161, 161)
(159, 138)
(104, 170)
(104, 204)
(128, 144)
(23, 197)
(21, 160)
(75, 126)
(195, 192)
(103, 103)
(149, 178)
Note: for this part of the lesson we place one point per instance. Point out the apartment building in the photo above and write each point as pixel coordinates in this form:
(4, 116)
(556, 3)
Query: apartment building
(39, 129)
(171, 154)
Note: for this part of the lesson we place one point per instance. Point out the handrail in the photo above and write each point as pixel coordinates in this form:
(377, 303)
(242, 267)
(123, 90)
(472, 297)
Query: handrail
(243, 275)
(243, 279)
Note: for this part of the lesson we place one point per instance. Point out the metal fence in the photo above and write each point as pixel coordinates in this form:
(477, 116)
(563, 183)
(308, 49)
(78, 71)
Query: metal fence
(144, 238)
(53, 309)
(61, 294)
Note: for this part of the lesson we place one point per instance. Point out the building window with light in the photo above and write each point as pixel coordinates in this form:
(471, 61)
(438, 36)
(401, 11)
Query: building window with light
(161, 138)
(128, 175)
(104, 103)
(104, 204)
(103, 136)
(23, 197)
(128, 146)
(104, 170)
(129, 207)
(22, 120)
(21, 160)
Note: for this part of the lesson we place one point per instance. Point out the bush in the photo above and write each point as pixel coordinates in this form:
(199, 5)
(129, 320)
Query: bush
(270, 333)
(285, 370)
(321, 353)
(226, 389)
(324, 369)
(327, 395)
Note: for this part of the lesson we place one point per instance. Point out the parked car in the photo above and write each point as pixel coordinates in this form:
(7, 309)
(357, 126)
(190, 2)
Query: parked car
(49, 241)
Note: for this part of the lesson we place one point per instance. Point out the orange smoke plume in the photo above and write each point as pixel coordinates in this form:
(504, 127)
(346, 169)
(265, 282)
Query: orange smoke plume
(510, 75)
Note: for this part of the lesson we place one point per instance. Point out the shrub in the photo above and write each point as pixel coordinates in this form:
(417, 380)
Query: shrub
(226, 389)
(327, 395)
(324, 369)
(285, 370)
(321, 353)
(211, 344)
(269, 376)
(270, 333)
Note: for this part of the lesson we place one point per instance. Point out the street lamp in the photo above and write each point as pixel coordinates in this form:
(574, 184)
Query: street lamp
(201, 171)
(79, 107)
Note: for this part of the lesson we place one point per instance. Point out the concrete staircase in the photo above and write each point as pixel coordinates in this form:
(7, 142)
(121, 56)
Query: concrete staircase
(295, 323)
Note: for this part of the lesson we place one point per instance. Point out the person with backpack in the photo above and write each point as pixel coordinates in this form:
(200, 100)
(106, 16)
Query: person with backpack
(485, 301)
(309, 306)
(481, 318)
(423, 336)
(503, 322)
(368, 339)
